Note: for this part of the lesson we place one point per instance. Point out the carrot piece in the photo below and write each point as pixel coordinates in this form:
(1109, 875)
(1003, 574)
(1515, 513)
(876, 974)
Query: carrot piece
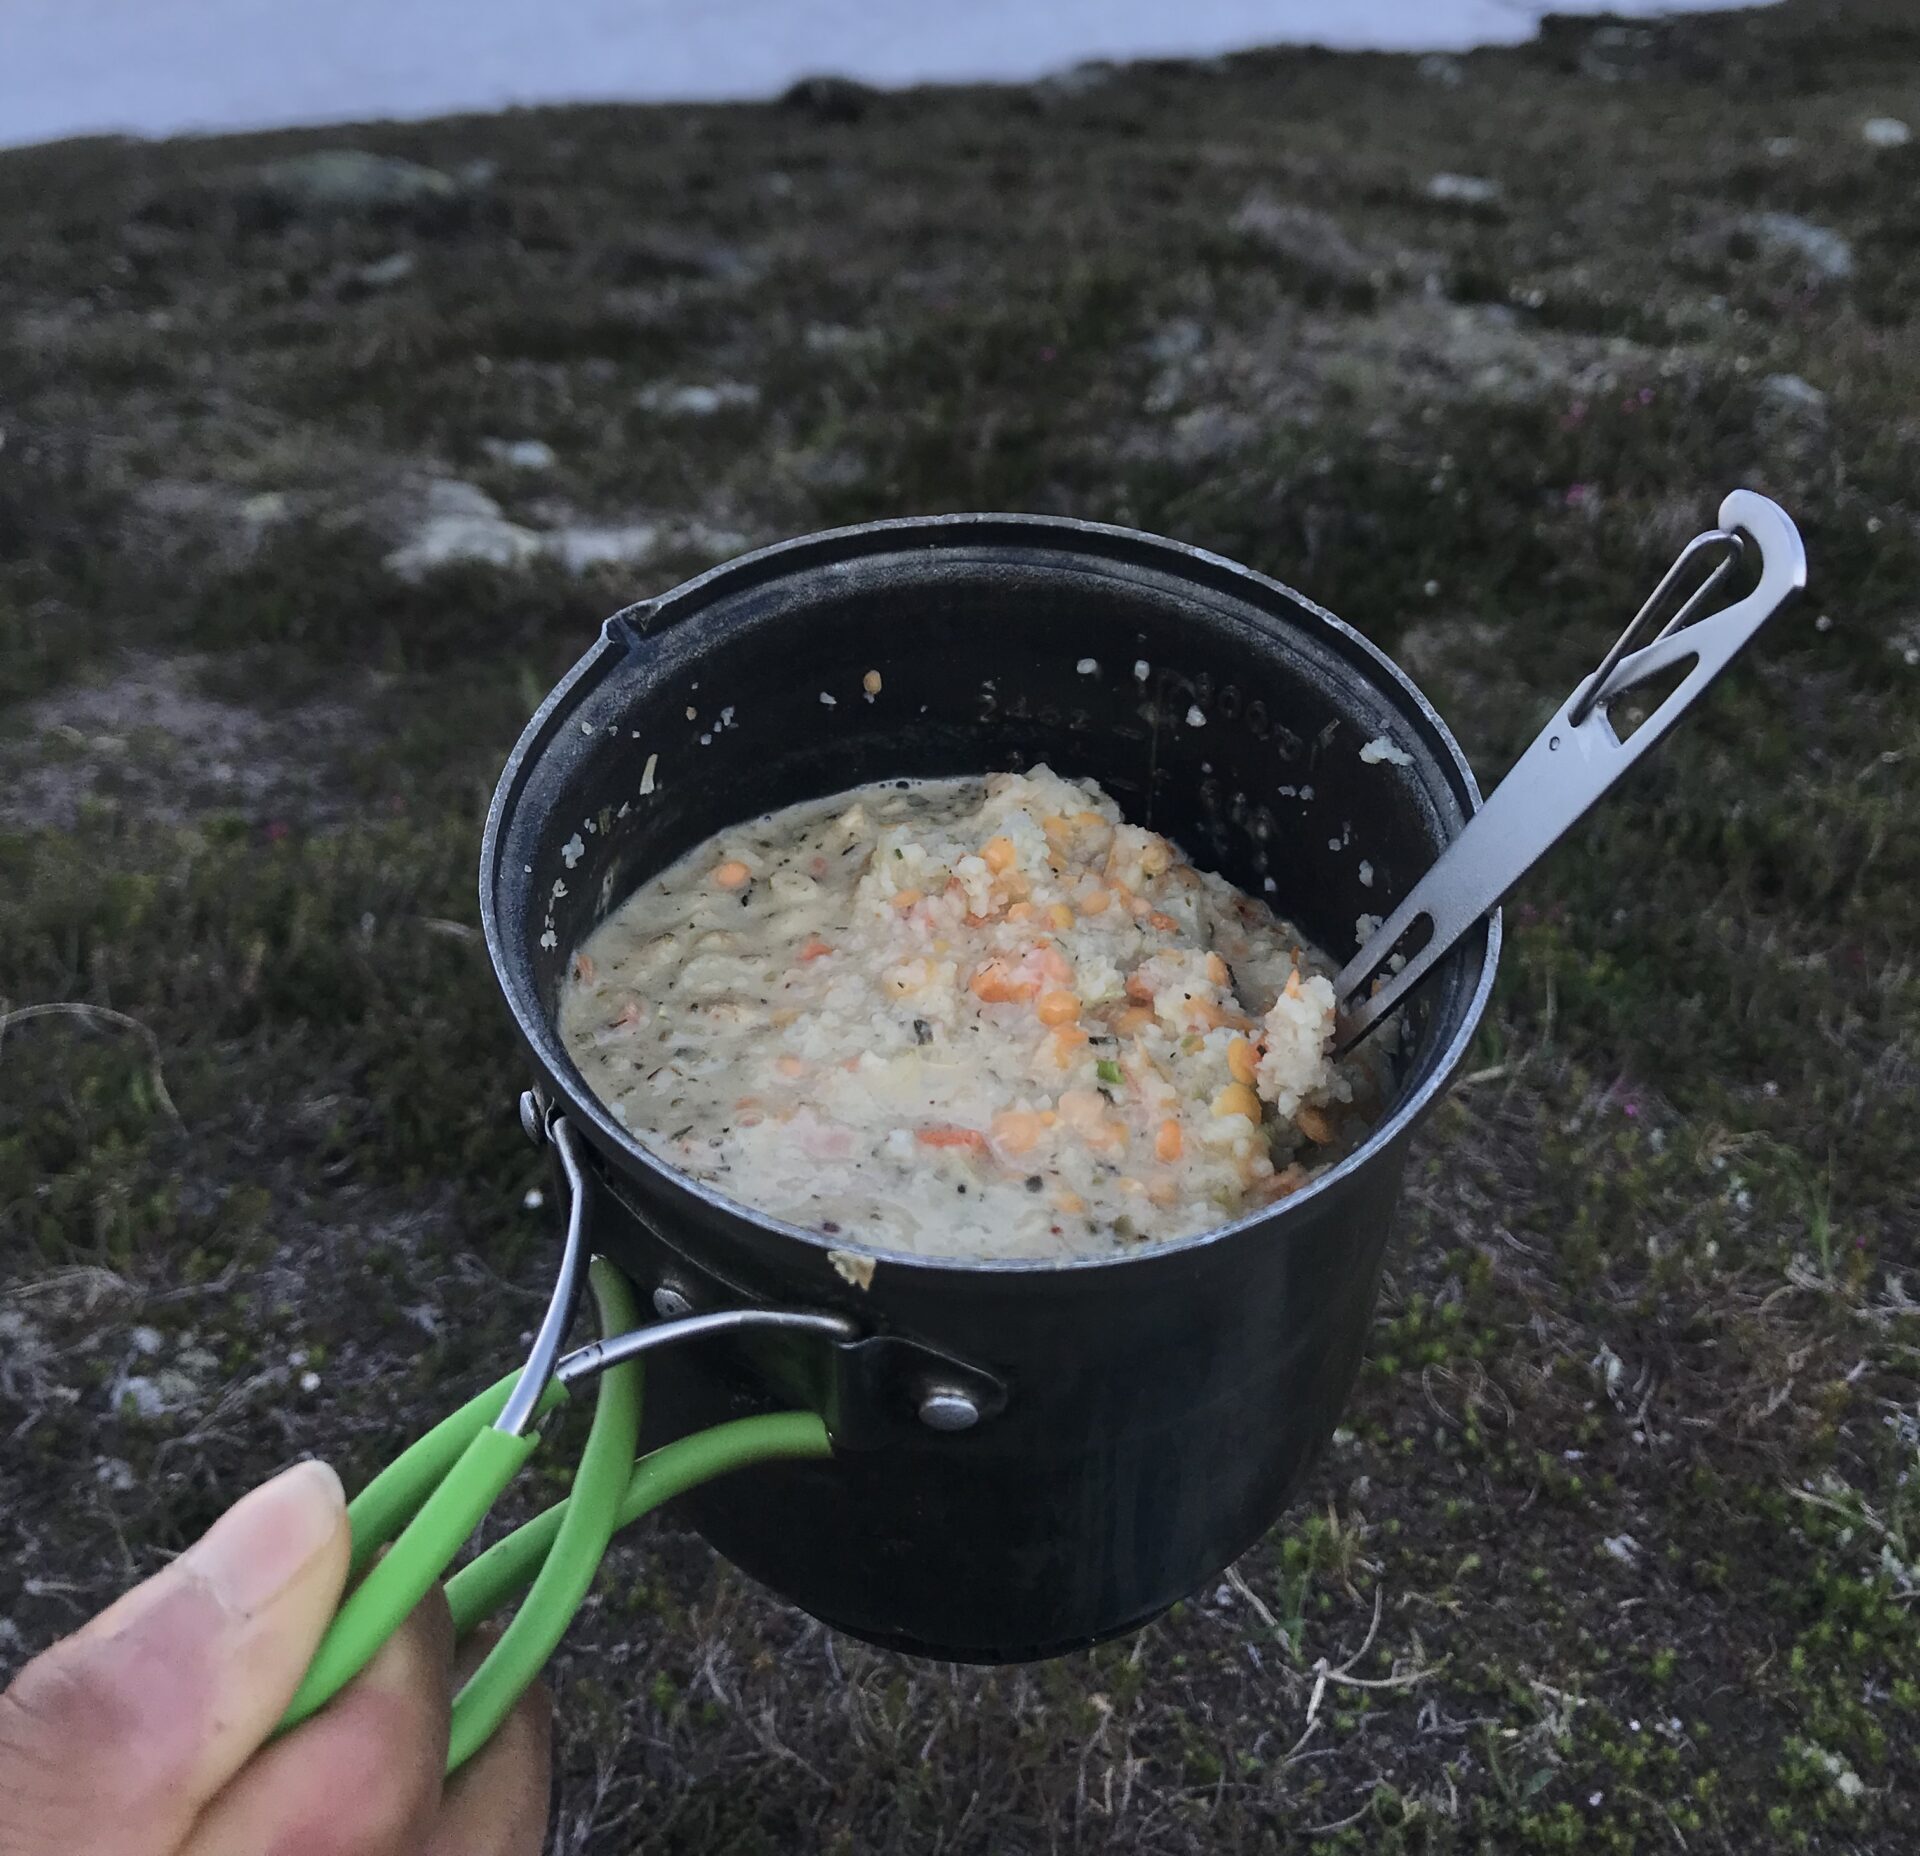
(790, 1066)
(944, 1134)
(1021, 912)
(814, 949)
(732, 874)
(1015, 1130)
(1138, 988)
(1066, 1040)
(904, 899)
(996, 982)
(1163, 922)
(583, 968)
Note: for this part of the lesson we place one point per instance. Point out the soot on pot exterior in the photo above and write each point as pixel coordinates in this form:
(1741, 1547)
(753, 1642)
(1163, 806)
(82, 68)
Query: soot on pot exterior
(1148, 1415)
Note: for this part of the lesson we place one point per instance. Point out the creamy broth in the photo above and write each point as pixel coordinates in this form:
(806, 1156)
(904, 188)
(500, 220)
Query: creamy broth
(968, 1018)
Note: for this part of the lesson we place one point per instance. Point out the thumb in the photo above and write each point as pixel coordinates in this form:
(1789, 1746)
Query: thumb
(116, 1737)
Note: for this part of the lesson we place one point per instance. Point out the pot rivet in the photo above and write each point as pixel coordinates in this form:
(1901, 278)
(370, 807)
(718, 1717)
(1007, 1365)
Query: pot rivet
(944, 1409)
(669, 1304)
(532, 1123)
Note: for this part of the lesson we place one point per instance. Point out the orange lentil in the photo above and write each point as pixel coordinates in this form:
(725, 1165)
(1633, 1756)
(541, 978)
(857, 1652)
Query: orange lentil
(790, 1066)
(906, 898)
(1241, 1062)
(998, 854)
(1060, 915)
(1169, 1142)
(1134, 1020)
(1094, 901)
(1313, 1123)
(1059, 1007)
(1015, 1130)
(732, 874)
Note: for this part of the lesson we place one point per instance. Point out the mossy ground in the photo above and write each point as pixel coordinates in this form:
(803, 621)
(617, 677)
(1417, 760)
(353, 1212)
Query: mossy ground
(1618, 1548)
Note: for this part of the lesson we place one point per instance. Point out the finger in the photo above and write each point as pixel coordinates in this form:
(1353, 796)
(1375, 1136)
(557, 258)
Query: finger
(362, 1777)
(116, 1737)
(496, 1805)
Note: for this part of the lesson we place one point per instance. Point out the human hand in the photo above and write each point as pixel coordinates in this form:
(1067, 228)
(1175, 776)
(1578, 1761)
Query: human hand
(144, 1733)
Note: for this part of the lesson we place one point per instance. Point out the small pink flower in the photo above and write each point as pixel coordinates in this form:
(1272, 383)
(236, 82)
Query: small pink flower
(277, 828)
(1579, 495)
(1631, 1110)
(1646, 396)
(1048, 353)
(1573, 415)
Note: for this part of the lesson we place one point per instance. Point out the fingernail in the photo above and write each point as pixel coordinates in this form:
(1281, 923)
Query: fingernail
(256, 1550)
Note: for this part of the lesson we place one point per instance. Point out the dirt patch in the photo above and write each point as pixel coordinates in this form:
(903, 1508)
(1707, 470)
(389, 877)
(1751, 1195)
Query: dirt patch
(147, 740)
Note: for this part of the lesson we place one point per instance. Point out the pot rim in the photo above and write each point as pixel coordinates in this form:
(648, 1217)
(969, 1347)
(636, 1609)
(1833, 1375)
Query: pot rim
(586, 1109)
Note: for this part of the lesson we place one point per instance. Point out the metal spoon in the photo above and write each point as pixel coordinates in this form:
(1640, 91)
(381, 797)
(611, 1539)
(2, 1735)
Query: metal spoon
(1578, 756)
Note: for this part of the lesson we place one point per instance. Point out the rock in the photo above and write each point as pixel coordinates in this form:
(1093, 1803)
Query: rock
(520, 453)
(1789, 393)
(1615, 53)
(1309, 239)
(350, 180)
(384, 273)
(1463, 190)
(1077, 80)
(1178, 340)
(461, 523)
(698, 402)
(1781, 146)
(1826, 253)
(1885, 132)
(580, 548)
(1444, 69)
(830, 99)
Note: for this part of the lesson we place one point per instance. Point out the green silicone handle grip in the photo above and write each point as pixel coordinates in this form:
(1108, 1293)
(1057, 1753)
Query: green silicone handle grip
(394, 1496)
(507, 1567)
(380, 1604)
(579, 1542)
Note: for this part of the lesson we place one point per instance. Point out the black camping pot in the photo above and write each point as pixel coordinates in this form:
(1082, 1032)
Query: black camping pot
(1028, 1456)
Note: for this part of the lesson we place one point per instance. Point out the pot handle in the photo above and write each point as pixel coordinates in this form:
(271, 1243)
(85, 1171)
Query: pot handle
(870, 1387)
(1577, 757)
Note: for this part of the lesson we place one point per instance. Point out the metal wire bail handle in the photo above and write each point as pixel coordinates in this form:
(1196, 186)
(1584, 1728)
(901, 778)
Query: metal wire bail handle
(1577, 757)
(425, 1505)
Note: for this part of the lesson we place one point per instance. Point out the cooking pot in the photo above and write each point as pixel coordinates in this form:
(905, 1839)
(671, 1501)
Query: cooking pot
(1029, 1456)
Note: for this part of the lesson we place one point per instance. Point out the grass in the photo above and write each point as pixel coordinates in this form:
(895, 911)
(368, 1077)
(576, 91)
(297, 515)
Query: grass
(1617, 1546)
